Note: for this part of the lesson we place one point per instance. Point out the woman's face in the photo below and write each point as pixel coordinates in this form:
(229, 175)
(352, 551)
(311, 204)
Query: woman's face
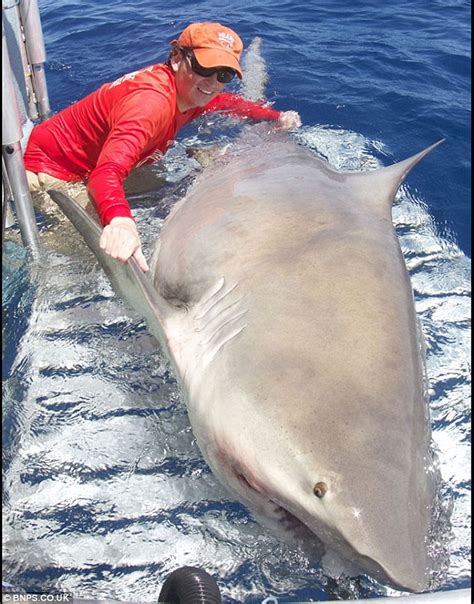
(192, 89)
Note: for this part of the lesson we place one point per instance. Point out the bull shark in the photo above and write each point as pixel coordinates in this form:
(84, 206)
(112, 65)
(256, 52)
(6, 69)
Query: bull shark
(279, 292)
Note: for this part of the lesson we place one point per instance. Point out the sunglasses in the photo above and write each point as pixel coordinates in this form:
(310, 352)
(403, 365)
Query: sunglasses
(224, 74)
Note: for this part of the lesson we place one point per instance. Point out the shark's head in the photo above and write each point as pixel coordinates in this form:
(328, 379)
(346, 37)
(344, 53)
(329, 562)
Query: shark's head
(351, 513)
(318, 478)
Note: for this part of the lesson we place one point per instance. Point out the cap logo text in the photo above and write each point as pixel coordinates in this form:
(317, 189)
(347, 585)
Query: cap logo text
(225, 39)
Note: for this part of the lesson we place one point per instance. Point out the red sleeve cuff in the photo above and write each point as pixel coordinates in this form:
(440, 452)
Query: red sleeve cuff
(116, 211)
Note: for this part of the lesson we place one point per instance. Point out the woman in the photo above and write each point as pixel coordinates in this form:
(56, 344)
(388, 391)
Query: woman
(132, 121)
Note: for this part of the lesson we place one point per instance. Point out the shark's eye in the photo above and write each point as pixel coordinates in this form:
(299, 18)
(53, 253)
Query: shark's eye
(320, 489)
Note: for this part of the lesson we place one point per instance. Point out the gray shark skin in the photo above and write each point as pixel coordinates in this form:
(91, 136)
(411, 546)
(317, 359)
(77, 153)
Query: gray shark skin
(279, 292)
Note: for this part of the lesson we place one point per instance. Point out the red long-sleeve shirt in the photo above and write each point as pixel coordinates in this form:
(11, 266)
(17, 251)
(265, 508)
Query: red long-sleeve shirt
(120, 126)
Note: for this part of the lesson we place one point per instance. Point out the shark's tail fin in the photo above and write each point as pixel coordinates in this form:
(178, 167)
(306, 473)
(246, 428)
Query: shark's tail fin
(127, 279)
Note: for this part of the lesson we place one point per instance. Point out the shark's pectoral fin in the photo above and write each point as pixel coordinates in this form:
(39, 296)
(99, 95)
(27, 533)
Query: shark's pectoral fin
(128, 280)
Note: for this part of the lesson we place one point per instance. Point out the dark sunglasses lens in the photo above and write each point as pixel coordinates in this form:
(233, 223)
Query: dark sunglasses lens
(224, 76)
(205, 72)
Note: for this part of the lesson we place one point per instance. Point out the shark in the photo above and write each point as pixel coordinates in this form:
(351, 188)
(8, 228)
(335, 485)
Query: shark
(280, 295)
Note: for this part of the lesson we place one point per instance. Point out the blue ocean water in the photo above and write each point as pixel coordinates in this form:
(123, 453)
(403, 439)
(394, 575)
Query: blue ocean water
(395, 71)
(106, 490)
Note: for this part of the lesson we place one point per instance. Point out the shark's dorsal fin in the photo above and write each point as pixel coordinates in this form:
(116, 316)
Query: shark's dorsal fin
(127, 279)
(381, 185)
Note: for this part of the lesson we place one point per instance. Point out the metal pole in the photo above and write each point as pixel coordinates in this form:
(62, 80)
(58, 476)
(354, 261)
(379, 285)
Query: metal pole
(7, 198)
(30, 17)
(12, 14)
(13, 156)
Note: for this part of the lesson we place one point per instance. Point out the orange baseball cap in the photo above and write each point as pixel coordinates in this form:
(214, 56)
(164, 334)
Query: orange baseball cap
(213, 44)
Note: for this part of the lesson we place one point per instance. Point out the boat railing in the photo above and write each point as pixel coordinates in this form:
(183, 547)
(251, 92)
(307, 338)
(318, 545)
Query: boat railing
(25, 99)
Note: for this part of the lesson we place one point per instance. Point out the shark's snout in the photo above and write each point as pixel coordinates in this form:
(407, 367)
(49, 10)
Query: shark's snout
(355, 529)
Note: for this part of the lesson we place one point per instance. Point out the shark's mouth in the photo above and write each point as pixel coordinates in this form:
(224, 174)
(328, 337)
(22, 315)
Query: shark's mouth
(290, 523)
(274, 513)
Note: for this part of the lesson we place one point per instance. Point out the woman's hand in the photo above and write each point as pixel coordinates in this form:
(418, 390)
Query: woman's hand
(120, 240)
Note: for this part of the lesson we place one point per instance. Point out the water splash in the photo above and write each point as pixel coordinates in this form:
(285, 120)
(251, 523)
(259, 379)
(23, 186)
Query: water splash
(255, 72)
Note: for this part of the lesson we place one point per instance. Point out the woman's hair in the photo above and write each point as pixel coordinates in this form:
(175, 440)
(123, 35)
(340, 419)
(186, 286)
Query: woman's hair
(173, 51)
